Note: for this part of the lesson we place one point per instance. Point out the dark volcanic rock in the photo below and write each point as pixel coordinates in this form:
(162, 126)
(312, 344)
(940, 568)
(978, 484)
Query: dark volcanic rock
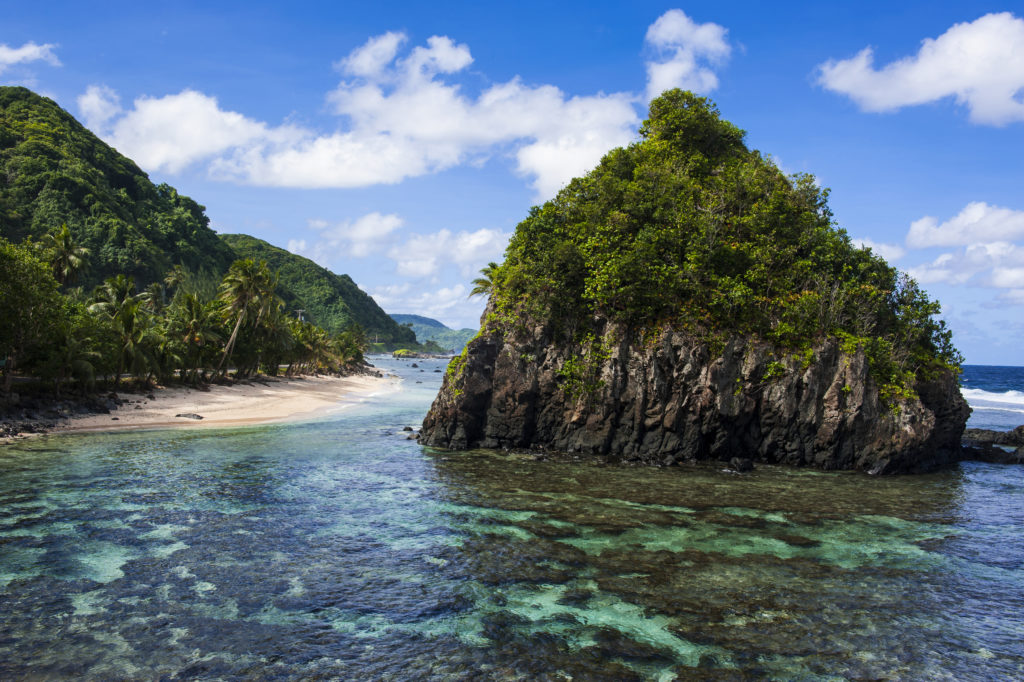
(671, 400)
(741, 464)
(980, 451)
(1014, 437)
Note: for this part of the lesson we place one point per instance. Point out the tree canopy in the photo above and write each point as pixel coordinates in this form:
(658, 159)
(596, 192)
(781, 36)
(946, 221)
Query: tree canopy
(53, 171)
(691, 229)
(331, 301)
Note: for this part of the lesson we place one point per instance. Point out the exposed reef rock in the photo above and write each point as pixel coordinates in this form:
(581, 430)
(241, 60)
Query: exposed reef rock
(672, 400)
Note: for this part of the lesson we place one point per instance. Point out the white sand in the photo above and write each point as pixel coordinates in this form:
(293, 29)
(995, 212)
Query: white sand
(260, 402)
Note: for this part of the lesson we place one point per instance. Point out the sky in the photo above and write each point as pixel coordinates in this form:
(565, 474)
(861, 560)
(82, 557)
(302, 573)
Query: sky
(401, 143)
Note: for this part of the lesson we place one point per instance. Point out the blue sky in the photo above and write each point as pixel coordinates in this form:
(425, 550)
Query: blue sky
(401, 143)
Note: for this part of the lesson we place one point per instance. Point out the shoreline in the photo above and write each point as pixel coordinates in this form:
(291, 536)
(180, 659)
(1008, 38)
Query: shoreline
(264, 400)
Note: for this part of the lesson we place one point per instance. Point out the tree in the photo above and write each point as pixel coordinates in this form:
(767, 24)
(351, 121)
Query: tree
(195, 325)
(116, 299)
(484, 284)
(247, 289)
(64, 254)
(29, 305)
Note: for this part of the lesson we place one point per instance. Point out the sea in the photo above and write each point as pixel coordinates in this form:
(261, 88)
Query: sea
(338, 549)
(995, 394)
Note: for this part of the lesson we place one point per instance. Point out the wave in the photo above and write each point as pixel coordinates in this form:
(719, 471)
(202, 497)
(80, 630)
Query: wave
(977, 397)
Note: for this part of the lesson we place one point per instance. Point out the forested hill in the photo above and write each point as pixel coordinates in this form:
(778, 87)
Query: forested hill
(331, 301)
(429, 329)
(53, 171)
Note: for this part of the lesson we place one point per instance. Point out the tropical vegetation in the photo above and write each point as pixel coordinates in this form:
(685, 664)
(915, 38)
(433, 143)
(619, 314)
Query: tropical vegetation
(331, 301)
(177, 330)
(690, 229)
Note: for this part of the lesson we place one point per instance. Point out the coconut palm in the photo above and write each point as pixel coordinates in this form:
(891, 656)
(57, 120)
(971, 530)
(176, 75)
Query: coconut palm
(63, 254)
(247, 290)
(484, 284)
(116, 299)
(195, 324)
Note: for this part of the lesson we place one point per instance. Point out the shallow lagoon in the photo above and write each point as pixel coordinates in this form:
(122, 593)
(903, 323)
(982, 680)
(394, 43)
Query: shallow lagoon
(338, 549)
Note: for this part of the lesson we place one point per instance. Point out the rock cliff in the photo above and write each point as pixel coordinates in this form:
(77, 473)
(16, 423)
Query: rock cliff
(673, 399)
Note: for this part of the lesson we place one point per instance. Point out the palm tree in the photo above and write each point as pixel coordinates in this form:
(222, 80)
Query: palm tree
(484, 284)
(175, 276)
(63, 254)
(153, 296)
(194, 324)
(116, 299)
(247, 289)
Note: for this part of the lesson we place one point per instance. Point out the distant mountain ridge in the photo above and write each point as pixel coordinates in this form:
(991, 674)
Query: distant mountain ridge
(331, 301)
(429, 329)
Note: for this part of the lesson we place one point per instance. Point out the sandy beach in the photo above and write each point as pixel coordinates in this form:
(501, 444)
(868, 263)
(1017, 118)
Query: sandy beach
(261, 401)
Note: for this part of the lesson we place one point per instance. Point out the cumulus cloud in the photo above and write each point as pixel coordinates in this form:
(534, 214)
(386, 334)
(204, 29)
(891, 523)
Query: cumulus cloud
(404, 119)
(887, 251)
(686, 54)
(979, 63)
(29, 52)
(98, 105)
(423, 255)
(977, 222)
(986, 264)
(985, 253)
(347, 239)
(449, 305)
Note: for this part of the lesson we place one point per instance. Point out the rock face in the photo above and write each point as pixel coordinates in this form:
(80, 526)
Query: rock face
(672, 400)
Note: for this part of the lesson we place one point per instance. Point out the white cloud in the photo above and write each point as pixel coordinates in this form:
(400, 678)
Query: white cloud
(98, 105)
(686, 52)
(889, 252)
(404, 120)
(977, 222)
(980, 64)
(449, 305)
(987, 255)
(29, 52)
(370, 59)
(423, 255)
(985, 264)
(171, 132)
(348, 239)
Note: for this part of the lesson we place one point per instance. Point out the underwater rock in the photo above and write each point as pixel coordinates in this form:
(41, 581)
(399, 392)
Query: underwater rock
(741, 464)
(673, 399)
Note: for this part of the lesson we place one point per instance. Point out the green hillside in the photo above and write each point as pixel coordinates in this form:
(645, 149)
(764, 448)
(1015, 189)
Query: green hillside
(331, 301)
(54, 171)
(429, 329)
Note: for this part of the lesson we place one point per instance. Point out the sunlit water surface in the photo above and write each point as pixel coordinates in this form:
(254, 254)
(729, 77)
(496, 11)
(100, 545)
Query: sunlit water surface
(338, 549)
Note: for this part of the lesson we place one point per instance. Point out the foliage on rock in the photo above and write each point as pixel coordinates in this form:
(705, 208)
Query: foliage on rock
(689, 229)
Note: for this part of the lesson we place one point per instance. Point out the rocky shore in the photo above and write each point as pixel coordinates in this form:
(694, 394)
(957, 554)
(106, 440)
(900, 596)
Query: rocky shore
(28, 416)
(675, 400)
(997, 447)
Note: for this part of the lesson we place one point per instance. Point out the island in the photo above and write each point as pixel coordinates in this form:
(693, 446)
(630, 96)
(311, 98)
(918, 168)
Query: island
(687, 301)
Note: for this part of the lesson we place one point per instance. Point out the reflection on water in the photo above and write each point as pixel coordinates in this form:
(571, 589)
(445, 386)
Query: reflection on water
(338, 549)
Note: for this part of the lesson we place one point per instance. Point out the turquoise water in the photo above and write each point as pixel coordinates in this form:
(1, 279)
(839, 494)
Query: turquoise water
(336, 549)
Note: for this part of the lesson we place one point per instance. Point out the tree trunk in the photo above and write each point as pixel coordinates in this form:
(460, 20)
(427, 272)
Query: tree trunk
(231, 343)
